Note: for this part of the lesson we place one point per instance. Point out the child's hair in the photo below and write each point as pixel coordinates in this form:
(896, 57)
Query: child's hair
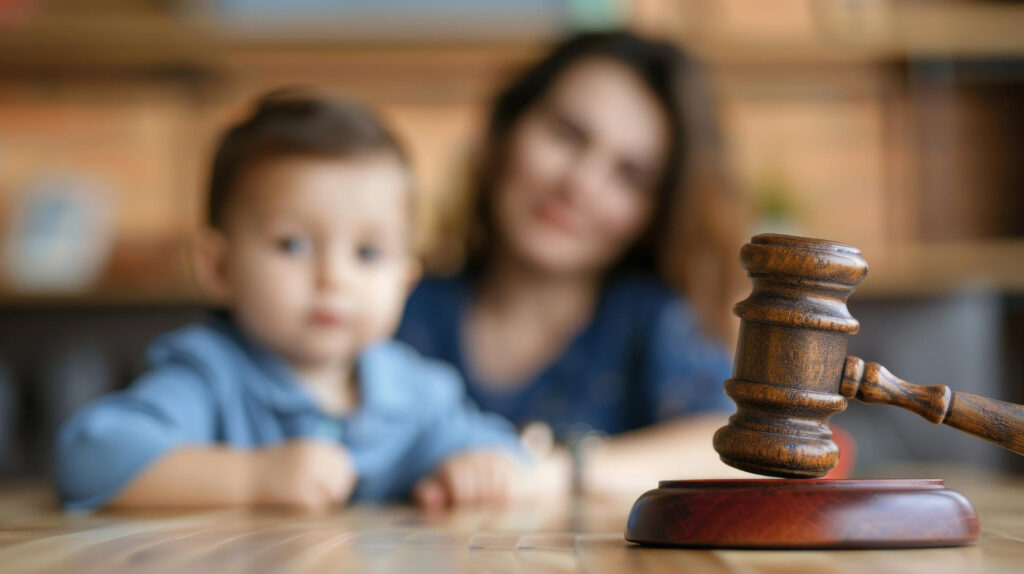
(294, 122)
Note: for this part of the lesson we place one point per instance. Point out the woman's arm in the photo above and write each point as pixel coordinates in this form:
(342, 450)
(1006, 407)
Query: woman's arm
(631, 463)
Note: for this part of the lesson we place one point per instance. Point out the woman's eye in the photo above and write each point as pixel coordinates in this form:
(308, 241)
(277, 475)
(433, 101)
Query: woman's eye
(294, 245)
(567, 130)
(369, 253)
(633, 178)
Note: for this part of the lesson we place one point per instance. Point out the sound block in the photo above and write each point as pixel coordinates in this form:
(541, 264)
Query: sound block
(803, 513)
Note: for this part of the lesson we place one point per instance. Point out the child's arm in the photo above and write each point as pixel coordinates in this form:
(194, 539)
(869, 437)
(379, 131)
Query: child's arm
(306, 474)
(156, 445)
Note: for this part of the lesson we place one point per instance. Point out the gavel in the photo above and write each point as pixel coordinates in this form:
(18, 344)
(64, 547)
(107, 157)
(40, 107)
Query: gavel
(792, 373)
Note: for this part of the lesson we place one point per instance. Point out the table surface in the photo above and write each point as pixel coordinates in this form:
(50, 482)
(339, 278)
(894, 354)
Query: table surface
(577, 536)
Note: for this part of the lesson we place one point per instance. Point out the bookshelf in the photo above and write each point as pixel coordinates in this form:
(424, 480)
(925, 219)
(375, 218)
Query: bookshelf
(824, 109)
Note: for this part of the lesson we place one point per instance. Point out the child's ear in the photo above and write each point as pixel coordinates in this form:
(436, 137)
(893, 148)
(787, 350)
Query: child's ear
(211, 265)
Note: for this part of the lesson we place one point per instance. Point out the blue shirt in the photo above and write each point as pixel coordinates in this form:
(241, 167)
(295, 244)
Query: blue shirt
(641, 360)
(210, 385)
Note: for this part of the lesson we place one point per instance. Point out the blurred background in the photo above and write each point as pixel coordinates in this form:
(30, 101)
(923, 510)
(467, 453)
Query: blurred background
(895, 126)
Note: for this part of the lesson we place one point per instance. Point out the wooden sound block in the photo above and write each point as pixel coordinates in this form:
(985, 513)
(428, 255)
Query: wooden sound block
(799, 513)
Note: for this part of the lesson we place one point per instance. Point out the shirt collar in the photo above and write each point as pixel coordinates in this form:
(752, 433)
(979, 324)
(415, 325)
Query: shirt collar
(274, 381)
(377, 371)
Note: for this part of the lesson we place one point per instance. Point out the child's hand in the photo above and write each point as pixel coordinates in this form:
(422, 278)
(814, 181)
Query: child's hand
(471, 478)
(306, 474)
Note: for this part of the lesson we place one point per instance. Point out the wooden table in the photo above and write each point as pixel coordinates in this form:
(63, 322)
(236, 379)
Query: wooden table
(575, 537)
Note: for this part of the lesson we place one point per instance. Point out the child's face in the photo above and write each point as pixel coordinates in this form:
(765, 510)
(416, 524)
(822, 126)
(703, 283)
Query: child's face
(316, 259)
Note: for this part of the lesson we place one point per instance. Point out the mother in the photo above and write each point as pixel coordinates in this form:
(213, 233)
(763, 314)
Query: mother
(562, 313)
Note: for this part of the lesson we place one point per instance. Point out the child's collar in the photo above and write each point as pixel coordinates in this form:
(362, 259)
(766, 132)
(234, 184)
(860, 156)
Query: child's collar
(379, 382)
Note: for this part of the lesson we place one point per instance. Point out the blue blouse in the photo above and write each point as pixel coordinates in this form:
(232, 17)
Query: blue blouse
(208, 384)
(641, 360)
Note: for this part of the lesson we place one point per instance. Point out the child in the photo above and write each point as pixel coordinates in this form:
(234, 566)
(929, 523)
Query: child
(295, 395)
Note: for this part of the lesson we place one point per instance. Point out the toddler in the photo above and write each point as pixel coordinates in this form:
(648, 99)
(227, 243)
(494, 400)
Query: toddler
(294, 394)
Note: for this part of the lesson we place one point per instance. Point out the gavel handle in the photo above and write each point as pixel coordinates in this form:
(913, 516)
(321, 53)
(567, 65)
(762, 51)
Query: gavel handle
(996, 421)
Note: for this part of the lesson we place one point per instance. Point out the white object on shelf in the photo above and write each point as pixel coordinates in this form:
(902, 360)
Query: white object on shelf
(60, 235)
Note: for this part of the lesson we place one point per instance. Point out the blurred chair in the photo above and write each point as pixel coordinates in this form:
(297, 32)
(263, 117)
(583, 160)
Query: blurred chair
(58, 358)
(9, 411)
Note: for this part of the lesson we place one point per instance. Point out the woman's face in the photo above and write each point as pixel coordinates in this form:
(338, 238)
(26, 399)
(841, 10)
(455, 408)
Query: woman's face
(577, 186)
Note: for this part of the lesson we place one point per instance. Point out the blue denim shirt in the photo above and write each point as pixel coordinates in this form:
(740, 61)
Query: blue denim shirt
(641, 360)
(209, 385)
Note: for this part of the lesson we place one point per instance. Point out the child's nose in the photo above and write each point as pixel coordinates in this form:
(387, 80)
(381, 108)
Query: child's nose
(335, 270)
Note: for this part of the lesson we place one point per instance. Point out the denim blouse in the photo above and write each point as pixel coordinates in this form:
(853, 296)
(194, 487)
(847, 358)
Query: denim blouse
(642, 359)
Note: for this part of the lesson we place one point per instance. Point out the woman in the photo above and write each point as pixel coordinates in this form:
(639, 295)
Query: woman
(563, 313)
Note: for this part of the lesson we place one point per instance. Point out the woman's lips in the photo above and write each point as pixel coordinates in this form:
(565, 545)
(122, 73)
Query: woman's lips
(557, 217)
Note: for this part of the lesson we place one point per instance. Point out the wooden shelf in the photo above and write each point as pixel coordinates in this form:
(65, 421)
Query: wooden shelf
(897, 30)
(146, 42)
(932, 270)
(140, 40)
(105, 297)
(453, 76)
(101, 40)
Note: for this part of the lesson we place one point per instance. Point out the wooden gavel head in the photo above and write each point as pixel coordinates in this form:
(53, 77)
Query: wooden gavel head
(790, 356)
(792, 373)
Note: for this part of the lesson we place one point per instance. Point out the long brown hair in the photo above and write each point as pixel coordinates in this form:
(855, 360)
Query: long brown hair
(693, 238)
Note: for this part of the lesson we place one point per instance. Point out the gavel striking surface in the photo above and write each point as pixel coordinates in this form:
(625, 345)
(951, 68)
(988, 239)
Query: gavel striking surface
(803, 514)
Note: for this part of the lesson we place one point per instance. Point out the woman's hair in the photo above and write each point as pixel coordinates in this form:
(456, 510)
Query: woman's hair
(290, 122)
(683, 238)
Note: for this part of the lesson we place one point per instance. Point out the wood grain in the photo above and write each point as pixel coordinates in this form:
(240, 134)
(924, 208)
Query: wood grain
(36, 538)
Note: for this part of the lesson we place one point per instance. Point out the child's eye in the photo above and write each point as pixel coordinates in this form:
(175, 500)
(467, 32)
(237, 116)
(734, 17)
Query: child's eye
(294, 245)
(368, 253)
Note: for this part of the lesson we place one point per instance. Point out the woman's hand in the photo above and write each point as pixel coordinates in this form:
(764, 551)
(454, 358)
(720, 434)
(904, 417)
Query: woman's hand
(305, 474)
